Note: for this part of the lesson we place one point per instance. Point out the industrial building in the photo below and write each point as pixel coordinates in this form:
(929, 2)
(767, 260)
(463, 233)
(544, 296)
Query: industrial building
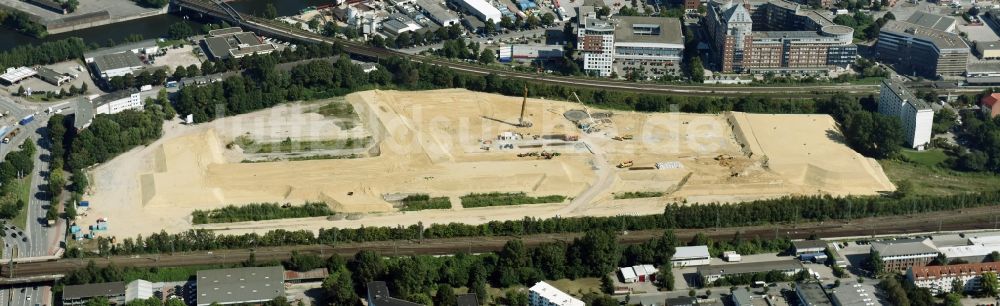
(776, 36)
(983, 73)
(650, 44)
(112, 65)
(528, 53)
(84, 113)
(812, 294)
(138, 290)
(80, 294)
(53, 77)
(481, 9)
(378, 295)
(915, 114)
(902, 254)
(638, 273)
(691, 256)
(438, 13)
(939, 279)
(711, 274)
(117, 102)
(914, 49)
(854, 294)
(741, 297)
(543, 294)
(234, 43)
(988, 50)
(809, 246)
(240, 285)
(15, 75)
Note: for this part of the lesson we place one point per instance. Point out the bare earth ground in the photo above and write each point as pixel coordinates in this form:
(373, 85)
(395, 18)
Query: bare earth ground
(435, 142)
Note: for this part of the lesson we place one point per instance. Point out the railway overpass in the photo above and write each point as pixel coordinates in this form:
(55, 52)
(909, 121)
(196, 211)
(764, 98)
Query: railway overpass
(221, 10)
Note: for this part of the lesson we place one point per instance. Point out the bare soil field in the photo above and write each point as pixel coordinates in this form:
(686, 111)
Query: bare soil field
(455, 142)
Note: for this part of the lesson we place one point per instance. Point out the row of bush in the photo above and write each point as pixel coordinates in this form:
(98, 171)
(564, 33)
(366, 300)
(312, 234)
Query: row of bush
(505, 199)
(258, 212)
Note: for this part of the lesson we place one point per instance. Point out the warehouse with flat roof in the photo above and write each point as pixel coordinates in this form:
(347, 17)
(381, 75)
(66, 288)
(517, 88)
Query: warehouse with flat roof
(240, 285)
(80, 294)
(713, 273)
(691, 256)
(229, 43)
(118, 64)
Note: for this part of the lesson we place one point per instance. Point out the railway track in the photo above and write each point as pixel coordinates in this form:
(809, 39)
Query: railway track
(965, 220)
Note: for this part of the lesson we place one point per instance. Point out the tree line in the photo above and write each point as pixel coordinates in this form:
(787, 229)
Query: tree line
(16, 165)
(21, 22)
(42, 54)
(259, 211)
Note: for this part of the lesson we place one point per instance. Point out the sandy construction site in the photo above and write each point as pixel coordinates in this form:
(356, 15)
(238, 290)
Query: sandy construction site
(454, 142)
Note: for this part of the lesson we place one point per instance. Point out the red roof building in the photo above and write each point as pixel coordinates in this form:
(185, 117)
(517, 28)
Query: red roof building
(939, 278)
(989, 105)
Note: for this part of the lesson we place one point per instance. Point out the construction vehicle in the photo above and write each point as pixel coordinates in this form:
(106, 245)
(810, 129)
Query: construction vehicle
(623, 138)
(625, 164)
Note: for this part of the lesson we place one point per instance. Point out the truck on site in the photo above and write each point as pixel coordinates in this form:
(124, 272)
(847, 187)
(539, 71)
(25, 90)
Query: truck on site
(623, 138)
(6, 139)
(27, 119)
(625, 164)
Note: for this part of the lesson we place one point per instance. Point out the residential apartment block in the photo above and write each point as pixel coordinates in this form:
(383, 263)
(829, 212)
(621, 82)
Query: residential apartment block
(939, 279)
(916, 115)
(902, 254)
(776, 36)
(543, 294)
(919, 49)
(651, 44)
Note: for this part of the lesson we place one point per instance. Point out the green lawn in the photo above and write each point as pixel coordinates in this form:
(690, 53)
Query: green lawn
(928, 180)
(24, 191)
(928, 158)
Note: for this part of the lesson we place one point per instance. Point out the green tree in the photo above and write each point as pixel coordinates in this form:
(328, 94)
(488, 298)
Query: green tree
(953, 299)
(339, 288)
(665, 277)
(696, 70)
(875, 262)
(367, 266)
(179, 30)
(270, 11)
(989, 283)
(487, 57)
(607, 284)
(515, 297)
(445, 295)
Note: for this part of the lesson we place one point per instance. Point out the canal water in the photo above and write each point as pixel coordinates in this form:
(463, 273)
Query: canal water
(150, 27)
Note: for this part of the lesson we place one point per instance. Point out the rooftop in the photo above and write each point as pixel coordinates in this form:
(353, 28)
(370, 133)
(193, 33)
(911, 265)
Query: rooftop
(812, 294)
(698, 251)
(967, 250)
(933, 21)
(751, 267)
(898, 89)
(229, 30)
(809, 244)
(741, 296)
(240, 285)
(93, 290)
(378, 293)
(45, 72)
(903, 247)
(114, 96)
(84, 113)
(16, 74)
(116, 61)
(970, 268)
(121, 48)
(555, 296)
(855, 295)
(940, 39)
(649, 30)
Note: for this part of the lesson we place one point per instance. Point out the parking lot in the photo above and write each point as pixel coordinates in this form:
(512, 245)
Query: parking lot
(69, 67)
